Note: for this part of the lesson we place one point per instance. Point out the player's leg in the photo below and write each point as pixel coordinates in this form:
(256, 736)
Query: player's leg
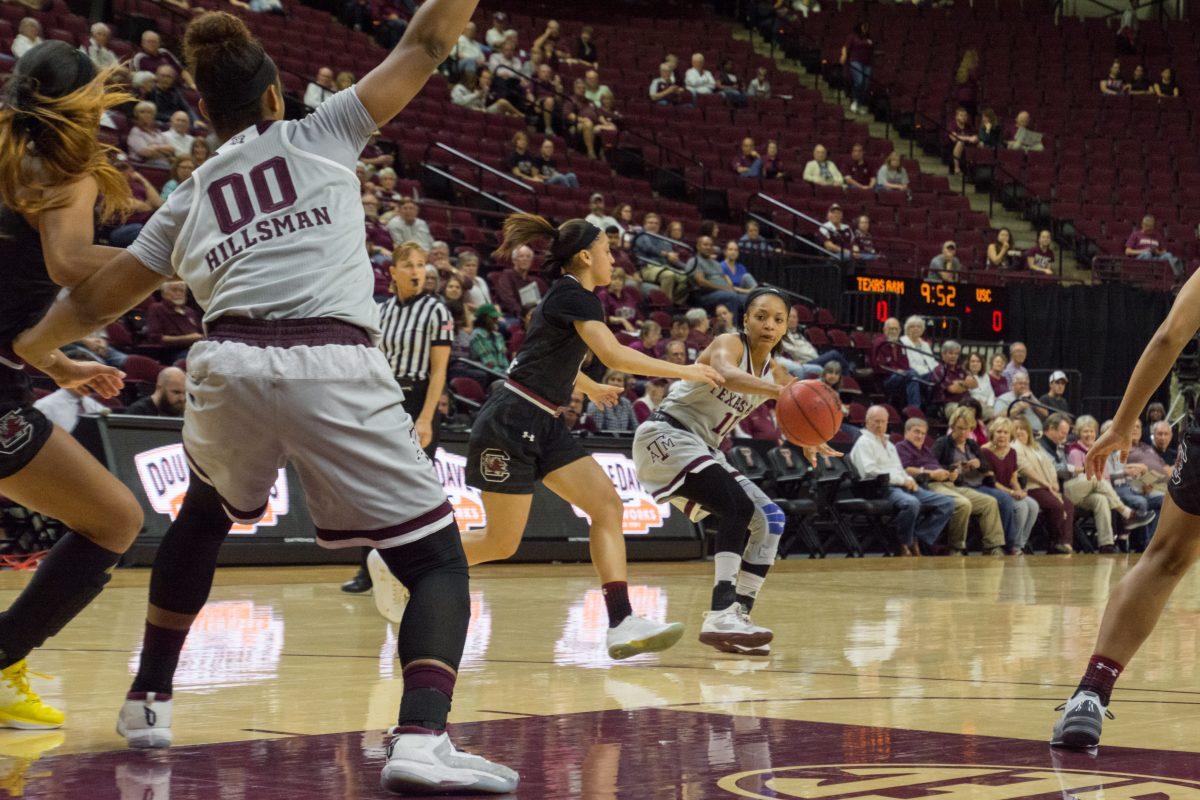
(506, 515)
(583, 484)
(1133, 610)
(62, 481)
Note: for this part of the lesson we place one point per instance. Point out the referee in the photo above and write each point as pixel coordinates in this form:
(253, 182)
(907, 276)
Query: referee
(416, 333)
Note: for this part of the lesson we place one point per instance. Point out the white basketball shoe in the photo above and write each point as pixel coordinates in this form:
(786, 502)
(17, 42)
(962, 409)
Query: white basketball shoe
(731, 630)
(389, 594)
(637, 635)
(145, 720)
(421, 763)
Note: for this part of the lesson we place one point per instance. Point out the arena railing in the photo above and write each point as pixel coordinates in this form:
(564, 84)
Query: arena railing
(476, 191)
(480, 168)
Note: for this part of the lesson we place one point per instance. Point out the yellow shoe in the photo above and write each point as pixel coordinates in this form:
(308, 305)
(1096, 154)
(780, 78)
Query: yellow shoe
(20, 706)
(19, 752)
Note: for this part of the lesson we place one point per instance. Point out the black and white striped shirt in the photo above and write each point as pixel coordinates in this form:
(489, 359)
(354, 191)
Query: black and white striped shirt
(410, 330)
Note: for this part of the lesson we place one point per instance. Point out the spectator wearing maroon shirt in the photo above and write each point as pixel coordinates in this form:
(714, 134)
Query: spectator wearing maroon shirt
(153, 55)
(760, 424)
(858, 174)
(997, 375)
(772, 164)
(172, 322)
(1040, 257)
(681, 329)
(648, 403)
(373, 155)
(649, 337)
(748, 163)
(835, 235)
(1143, 243)
(507, 286)
(889, 358)
(862, 244)
(698, 336)
(951, 383)
(620, 301)
(961, 135)
(1114, 83)
(857, 54)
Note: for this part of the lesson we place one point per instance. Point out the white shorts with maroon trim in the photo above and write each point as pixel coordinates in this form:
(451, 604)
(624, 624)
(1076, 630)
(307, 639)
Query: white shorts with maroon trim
(335, 412)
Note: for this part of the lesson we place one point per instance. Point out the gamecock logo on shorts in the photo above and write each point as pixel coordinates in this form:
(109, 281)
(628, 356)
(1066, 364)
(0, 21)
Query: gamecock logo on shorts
(493, 465)
(15, 432)
(660, 448)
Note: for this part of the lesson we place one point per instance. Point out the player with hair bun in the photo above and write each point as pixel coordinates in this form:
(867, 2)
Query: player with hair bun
(676, 452)
(268, 235)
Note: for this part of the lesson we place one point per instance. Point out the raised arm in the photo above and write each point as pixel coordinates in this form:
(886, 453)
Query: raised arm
(433, 32)
(724, 355)
(617, 356)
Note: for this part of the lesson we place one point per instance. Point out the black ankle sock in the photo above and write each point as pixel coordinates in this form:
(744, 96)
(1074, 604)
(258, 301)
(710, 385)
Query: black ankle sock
(69, 578)
(723, 595)
(747, 601)
(616, 600)
(160, 656)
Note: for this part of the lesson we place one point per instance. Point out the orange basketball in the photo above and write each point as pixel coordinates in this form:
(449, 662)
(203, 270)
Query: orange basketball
(809, 413)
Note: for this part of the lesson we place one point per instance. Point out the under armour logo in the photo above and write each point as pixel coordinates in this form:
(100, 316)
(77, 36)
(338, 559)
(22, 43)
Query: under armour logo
(527, 435)
(1107, 668)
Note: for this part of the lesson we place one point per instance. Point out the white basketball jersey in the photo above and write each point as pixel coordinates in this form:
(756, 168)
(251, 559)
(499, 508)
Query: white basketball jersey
(271, 225)
(711, 412)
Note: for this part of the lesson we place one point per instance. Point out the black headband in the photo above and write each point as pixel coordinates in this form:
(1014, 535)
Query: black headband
(248, 92)
(561, 254)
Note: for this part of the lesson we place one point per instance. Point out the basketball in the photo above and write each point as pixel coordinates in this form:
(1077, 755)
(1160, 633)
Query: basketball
(809, 413)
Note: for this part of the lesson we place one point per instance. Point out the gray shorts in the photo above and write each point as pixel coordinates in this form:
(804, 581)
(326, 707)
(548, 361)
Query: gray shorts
(336, 413)
(664, 456)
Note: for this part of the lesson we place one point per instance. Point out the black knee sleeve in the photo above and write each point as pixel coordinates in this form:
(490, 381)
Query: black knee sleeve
(434, 570)
(718, 492)
(187, 557)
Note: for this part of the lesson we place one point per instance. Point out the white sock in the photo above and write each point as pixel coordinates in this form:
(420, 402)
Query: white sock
(727, 566)
(749, 584)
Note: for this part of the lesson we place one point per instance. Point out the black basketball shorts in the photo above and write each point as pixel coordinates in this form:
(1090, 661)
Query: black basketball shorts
(514, 444)
(1184, 484)
(23, 433)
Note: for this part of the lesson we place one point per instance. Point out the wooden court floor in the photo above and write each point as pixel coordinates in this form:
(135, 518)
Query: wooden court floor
(888, 676)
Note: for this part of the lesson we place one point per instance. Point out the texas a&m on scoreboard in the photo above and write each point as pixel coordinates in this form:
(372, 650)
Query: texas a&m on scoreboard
(980, 310)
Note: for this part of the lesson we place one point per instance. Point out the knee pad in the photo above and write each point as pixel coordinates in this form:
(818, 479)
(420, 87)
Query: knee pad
(766, 526)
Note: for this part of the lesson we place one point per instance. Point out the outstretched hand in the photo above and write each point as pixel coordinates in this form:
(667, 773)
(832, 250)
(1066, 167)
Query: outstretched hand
(86, 377)
(811, 453)
(603, 395)
(1112, 439)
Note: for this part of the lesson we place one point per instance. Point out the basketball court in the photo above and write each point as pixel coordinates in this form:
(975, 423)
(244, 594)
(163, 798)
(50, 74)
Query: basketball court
(892, 678)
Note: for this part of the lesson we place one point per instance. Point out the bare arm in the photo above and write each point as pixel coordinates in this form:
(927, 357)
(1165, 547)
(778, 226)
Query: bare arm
(433, 32)
(439, 360)
(617, 356)
(93, 304)
(67, 234)
(724, 354)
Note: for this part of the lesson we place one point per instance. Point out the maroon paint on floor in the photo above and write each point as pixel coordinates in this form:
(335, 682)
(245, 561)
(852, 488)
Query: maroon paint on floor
(645, 754)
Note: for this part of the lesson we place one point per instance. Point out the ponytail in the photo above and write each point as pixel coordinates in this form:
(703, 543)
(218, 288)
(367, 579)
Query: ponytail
(566, 241)
(49, 119)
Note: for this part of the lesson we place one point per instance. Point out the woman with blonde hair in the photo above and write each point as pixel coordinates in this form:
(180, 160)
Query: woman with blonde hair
(1002, 458)
(1087, 428)
(966, 82)
(958, 451)
(1041, 482)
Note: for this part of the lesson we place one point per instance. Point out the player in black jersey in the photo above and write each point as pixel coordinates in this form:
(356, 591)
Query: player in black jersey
(52, 170)
(1137, 601)
(519, 439)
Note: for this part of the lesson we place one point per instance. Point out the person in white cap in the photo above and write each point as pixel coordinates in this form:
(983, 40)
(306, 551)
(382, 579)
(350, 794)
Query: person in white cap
(597, 215)
(1057, 396)
(945, 266)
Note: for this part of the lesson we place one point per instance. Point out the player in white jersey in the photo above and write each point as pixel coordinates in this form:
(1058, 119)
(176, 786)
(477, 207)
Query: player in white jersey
(268, 235)
(677, 457)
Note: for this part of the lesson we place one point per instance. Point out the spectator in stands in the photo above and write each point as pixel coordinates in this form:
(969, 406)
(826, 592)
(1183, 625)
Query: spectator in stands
(748, 163)
(508, 69)
(890, 359)
(966, 82)
(596, 214)
(920, 513)
(474, 91)
(146, 143)
(990, 134)
(858, 175)
(593, 89)
(857, 54)
(1002, 459)
(752, 243)
(172, 322)
(319, 89)
(647, 404)
(143, 84)
(821, 170)
(547, 168)
(961, 135)
(1094, 495)
(608, 121)
(1139, 84)
(521, 161)
(759, 424)
(1056, 398)
(1114, 84)
(621, 260)
(799, 357)
(680, 330)
(959, 451)
(920, 352)
(920, 463)
(1001, 254)
(665, 92)
(344, 80)
(373, 155)
(168, 398)
(1166, 86)
(29, 35)
(835, 235)
(1143, 243)
(1135, 486)
(729, 85)
(476, 290)
(1160, 439)
(510, 287)
(1019, 401)
(487, 343)
(712, 284)
(585, 48)
(1155, 412)
(379, 238)
(892, 175)
(181, 169)
(385, 190)
(620, 302)
(951, 383)
(65, 406)
(862, 244)
(97, 47)
(735, 270)
(581, 118)
(167, 97)
(945, 266)
(407, 226)
(1017, 353)
(649, 338)
(982, 390)
(1038, 469)
(772, 163)
(619, 418)
(179, 133)
(1040, 258)
(1158, 470)
(153, 55)
(200, 150)
(698, 80)
(722, 321)
(760, 86)
(146, 201)
(97, 348)
(675, 352)
(468, 53)
(698, 336)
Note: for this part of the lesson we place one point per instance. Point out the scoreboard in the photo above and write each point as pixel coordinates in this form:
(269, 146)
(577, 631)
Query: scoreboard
(980, 310)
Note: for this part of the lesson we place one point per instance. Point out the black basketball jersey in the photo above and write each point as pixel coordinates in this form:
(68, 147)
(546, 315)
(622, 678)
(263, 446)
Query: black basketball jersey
(26, 290)
(552, 352)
